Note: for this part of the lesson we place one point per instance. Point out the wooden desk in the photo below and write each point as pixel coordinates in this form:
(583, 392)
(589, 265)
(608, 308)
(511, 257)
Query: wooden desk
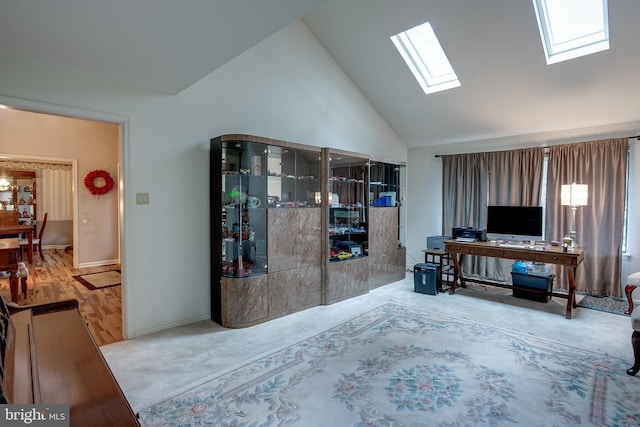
(9, 262)
(7, 230)
(551, 254)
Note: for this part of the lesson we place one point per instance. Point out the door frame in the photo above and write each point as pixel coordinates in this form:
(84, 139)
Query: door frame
(123, 144)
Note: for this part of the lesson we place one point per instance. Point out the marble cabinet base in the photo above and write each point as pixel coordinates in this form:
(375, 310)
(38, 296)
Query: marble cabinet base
(244, 301)
(347, 279)
(291, 291)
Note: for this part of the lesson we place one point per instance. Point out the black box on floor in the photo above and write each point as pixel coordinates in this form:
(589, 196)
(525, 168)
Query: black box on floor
(540, 283)
(426, 279)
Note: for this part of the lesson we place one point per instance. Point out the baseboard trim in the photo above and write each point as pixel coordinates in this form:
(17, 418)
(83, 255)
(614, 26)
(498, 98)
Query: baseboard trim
(98, 263)
(61, 247)
(170, 325)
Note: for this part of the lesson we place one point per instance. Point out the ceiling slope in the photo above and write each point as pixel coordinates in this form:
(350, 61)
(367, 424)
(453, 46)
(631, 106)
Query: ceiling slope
(160, 45)
(508, 92)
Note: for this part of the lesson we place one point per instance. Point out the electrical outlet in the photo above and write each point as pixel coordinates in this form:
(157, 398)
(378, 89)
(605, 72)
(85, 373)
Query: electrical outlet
(142, 198)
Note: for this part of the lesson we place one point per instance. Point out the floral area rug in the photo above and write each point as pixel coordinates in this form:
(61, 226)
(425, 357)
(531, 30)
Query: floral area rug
(400, 366)
(101, 280)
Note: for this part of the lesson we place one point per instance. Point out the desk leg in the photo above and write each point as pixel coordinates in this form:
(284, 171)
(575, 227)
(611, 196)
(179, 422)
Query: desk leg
(13, 284)
(571, 301)
(457, 272)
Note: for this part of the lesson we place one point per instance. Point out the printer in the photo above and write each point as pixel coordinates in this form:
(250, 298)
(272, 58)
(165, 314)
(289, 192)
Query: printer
(437, 242)
(479, 234)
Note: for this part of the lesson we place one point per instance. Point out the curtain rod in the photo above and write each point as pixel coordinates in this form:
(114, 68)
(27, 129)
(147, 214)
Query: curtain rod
(636, 137)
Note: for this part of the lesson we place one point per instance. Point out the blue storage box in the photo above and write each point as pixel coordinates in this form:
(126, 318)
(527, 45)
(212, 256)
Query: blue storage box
(519, 267)
(544, 284)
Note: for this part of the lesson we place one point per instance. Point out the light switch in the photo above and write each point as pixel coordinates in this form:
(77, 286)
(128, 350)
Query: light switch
(142, 198)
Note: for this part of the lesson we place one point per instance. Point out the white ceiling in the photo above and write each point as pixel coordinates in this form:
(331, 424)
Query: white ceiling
(508, 92)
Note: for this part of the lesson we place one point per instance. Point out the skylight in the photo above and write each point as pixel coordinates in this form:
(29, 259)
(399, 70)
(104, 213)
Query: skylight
(422, 52)
(572, 28)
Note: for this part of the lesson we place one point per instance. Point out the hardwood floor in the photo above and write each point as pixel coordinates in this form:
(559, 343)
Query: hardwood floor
(51, 280)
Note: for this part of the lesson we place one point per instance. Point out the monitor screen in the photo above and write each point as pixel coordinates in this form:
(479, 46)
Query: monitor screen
(515, 223)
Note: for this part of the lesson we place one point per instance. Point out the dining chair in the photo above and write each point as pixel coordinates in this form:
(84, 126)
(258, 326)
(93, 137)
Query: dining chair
(37, 241)
(22, 274)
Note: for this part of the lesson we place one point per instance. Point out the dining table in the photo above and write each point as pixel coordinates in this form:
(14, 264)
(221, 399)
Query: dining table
(9, 262)
(9, 230)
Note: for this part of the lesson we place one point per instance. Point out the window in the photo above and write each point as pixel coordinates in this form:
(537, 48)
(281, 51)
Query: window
(572, 28)
(424, 56)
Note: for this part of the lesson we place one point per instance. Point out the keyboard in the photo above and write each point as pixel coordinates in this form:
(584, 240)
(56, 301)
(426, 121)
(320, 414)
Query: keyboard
(512, 245)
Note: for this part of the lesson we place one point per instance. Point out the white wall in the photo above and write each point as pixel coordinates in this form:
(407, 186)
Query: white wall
(425, 191)
(287, 87)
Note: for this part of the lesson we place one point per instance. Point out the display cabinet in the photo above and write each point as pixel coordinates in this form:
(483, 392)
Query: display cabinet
(348, 202)
(294, 229)
(266, 248)
(295, 226)
(243, 222)
(387, 232)
(239, 260)
(26, 197)
(347, 264)
(18, 201)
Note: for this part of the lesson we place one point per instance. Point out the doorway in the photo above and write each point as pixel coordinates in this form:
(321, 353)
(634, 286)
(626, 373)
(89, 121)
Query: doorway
(86, 141)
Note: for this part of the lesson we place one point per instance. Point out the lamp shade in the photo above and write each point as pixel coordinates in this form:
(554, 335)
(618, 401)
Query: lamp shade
(574, 194)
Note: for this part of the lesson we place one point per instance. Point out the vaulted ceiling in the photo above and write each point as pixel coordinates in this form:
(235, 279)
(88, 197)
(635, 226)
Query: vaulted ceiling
(508, 92)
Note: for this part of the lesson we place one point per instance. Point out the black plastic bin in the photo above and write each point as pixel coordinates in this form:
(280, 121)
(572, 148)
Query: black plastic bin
(427, 279)
(543, 284)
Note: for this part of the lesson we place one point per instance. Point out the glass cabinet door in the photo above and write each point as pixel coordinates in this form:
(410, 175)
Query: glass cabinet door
(6, 194)
(18, 196)
(244, 226)
(387, 189)
(348, 194)
(385, 184)
(26, 201)
(293, 177)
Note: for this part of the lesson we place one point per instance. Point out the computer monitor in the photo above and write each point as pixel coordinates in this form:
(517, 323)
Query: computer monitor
(515, 223)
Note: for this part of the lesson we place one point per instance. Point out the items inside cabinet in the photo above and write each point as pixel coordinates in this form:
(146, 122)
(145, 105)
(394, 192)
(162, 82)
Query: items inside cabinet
(293, 177)
(18, 195)
(384, 184)
(244, 224)
(387, 186)
(348, 184)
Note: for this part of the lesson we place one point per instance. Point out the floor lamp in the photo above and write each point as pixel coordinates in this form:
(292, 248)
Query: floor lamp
(574, 195)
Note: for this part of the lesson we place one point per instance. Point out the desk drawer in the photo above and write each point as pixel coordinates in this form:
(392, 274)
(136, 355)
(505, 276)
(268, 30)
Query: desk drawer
(556, 258)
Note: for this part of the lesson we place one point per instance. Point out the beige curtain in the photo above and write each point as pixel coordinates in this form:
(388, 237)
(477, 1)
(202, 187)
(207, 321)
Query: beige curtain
(473, 181)
(56, 195)
(515, 179)
(464, 189)
(602, 165)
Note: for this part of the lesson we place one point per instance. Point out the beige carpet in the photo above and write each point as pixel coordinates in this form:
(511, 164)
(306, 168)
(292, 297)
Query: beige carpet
(398, 365)
(99, 280)
(186, 355)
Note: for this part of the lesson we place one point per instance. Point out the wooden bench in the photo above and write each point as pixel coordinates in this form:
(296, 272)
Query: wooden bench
(48, 356)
